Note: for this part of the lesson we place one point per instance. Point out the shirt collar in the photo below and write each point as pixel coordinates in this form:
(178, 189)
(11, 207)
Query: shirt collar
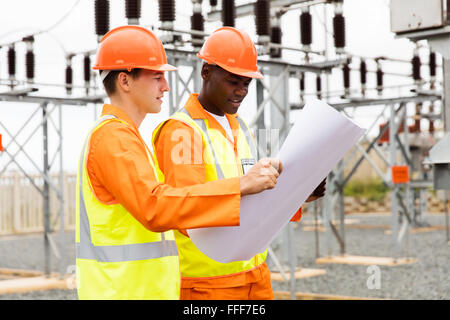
(118, 113)
(196, 110)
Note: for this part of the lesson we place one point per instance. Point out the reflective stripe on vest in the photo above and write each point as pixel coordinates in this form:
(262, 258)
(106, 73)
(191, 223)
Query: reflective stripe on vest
(201, 123)
(85, 249)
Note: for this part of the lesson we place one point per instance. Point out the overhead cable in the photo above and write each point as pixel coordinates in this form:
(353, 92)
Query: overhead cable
(57, 23)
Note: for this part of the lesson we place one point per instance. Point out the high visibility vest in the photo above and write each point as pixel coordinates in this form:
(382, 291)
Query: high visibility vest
(116, 256)
(220, 163)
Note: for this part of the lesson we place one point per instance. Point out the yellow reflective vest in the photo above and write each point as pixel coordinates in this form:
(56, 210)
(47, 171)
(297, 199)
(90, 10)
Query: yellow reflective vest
(116, 256)
(220, 163)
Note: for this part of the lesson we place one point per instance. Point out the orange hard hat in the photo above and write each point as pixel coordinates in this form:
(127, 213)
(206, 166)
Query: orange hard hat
(233, 50)
(131, 47)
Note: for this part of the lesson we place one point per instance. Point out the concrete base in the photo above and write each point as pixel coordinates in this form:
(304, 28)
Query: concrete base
(20, 285)
(351, 226)
(20, 281)
(299, 274)
(421, 229)
(361, 260)
(285, 295)
(336, 222)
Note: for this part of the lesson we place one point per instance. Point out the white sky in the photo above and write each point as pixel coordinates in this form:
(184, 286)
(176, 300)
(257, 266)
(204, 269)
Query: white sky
(367, 29)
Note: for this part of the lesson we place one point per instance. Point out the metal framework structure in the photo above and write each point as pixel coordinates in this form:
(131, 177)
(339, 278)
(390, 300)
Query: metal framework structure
(44, 110)
(404, 207)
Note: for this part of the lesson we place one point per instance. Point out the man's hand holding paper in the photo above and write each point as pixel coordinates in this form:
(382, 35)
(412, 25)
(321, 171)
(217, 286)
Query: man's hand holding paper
(320, 137)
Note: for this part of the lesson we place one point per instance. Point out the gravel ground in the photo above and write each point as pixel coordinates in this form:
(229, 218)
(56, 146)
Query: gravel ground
(428, 278)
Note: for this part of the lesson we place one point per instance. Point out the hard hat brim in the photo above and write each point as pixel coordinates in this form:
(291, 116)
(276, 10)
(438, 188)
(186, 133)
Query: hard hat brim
(242, 72)
(162, 67)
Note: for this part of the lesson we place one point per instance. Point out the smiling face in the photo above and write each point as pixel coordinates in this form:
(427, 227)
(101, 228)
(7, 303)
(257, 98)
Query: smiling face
(222, 91)
(148, 89)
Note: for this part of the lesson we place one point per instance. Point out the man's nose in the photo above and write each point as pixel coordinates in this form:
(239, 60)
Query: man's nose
(241, 90)
(165, 86)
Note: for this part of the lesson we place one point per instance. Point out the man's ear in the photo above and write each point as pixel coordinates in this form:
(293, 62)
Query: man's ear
(206, 71)
(123, 81)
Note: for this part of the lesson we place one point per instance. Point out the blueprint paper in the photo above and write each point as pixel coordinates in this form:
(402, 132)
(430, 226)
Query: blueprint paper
(320, 137)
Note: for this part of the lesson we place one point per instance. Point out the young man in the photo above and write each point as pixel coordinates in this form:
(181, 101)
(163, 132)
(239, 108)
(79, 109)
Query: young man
(124, 246)
(207, 141)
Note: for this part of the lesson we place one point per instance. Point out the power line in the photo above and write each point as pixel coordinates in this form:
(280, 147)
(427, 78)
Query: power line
(54, 25)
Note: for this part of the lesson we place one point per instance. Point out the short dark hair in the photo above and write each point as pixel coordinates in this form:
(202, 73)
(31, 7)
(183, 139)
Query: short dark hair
(110, 81)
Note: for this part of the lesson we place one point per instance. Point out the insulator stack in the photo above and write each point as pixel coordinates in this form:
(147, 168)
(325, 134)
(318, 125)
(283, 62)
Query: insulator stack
(339, 25)
(29, 62)
(302, 86)
(275, 37)
(346, 78)
(380, 76)
(262, 20)
(228, 13)
(87, 68)
(69, 74)
(101, 17)
(431, 123)
(306, 28)
(363, 76)
(416, 68)
(432, 65)
(167, 12)
(431, 127)
(417, 117)
(12, 62)
(87, 71)
(319, 86)
(133, 11)
(339, 32)
(448, 11)
(197, 23)
(29, 58)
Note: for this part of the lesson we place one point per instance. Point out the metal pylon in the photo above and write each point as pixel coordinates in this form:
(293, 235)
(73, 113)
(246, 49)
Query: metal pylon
(44, 171)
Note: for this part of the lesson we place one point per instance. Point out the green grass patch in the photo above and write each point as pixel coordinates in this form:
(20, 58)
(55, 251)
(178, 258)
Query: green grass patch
(373, 189)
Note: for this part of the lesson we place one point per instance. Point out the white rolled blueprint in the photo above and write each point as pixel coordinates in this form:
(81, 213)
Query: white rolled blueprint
(320, 137)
